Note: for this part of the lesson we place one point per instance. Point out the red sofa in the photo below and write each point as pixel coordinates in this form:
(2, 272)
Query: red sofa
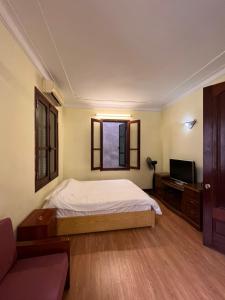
(33, 270)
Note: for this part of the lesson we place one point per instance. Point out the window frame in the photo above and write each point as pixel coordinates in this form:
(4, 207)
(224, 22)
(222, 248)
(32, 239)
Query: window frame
(128, 149)
(41, 182)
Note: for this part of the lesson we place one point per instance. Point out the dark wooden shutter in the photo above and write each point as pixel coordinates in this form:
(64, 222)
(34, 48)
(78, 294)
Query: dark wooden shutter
(53, 143)
(135, 143)
(122, 144)
(41, 141)
(96, 144)
(46, 141)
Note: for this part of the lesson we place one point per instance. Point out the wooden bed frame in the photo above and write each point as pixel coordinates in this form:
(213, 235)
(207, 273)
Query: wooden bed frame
(95, 223)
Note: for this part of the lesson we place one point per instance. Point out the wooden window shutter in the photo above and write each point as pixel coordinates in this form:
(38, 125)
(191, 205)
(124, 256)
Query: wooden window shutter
(96, 144)
(135, 144)
(46, 141)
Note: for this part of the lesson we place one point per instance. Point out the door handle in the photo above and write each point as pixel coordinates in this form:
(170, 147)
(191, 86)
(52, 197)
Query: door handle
(207, 186)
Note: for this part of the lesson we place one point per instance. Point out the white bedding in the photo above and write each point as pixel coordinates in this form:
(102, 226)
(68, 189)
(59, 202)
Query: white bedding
(77, 198)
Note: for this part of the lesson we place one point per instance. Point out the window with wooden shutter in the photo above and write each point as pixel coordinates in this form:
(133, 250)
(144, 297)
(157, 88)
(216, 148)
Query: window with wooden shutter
(115, 144)
(46, 141)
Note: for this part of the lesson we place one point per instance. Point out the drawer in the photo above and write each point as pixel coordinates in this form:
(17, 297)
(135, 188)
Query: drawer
(192, 204)
(193, 212)
(192, 194)
(191, 200)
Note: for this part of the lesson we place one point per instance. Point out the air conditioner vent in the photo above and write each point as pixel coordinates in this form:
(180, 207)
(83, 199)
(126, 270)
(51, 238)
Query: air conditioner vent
(52, 93)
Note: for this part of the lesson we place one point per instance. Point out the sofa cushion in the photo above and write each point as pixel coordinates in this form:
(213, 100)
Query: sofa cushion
(7, 248)
(36, 278)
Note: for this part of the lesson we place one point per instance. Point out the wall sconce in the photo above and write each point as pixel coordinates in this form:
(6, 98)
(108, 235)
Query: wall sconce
(190, 124)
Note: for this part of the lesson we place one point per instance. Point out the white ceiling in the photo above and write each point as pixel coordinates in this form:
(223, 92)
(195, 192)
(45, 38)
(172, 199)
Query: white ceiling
(121, 53)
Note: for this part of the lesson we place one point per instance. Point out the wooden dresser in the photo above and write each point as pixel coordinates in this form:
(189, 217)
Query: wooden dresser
(192, 204)
(159, 187)
(40, 224)
(183, 199)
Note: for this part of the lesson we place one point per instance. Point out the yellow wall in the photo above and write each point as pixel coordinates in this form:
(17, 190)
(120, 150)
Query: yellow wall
(178, 141)
(77, 145)
(17, 80)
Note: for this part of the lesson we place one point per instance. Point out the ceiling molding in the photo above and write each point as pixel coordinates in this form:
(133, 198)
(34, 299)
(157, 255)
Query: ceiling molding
(118, 104)
(56, 48)
(206, 75)
(113, 101)
(191, 86)
(203, 84)
(87, 106)
(11, 25)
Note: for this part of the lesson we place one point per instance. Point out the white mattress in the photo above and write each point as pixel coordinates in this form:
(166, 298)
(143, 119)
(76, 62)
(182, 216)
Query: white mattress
(81, 198)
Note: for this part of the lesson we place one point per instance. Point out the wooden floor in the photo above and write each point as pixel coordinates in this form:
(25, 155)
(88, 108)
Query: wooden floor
(167, 262)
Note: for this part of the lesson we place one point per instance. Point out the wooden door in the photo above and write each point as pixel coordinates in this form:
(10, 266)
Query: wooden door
(214, 167)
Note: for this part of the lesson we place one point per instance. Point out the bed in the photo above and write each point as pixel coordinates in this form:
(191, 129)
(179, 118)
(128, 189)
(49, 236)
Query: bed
(91, 206)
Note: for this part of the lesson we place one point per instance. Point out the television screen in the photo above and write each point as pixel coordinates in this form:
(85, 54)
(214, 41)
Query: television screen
(182, 170)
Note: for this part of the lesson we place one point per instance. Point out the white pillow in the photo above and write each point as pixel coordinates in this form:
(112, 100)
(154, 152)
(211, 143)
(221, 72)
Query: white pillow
(62, 186)
(67, 195)
(57, 189)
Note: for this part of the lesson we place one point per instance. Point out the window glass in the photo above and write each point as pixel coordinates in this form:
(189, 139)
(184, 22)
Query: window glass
(134, 136)
(42, 164)
(52, 161)
(42, 124)
(52, 130)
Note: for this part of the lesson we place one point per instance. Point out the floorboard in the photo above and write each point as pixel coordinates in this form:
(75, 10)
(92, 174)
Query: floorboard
(167, 262)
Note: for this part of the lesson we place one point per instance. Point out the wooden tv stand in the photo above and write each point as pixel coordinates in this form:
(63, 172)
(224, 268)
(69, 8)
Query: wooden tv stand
(183, 199)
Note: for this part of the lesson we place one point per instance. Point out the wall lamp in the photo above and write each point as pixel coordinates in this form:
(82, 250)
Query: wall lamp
(190, 124)
(113, 116)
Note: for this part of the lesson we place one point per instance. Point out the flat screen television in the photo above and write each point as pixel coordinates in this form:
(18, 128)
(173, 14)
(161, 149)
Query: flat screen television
(182, 170)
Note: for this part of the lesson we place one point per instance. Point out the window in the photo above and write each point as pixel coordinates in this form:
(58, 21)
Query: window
(46, 141)
(115, 144)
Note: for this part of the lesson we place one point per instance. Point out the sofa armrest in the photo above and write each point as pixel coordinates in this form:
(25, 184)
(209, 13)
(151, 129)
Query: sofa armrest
(43, 247)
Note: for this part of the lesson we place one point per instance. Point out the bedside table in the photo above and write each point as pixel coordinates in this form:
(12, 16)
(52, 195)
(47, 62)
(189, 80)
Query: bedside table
(40, 224)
